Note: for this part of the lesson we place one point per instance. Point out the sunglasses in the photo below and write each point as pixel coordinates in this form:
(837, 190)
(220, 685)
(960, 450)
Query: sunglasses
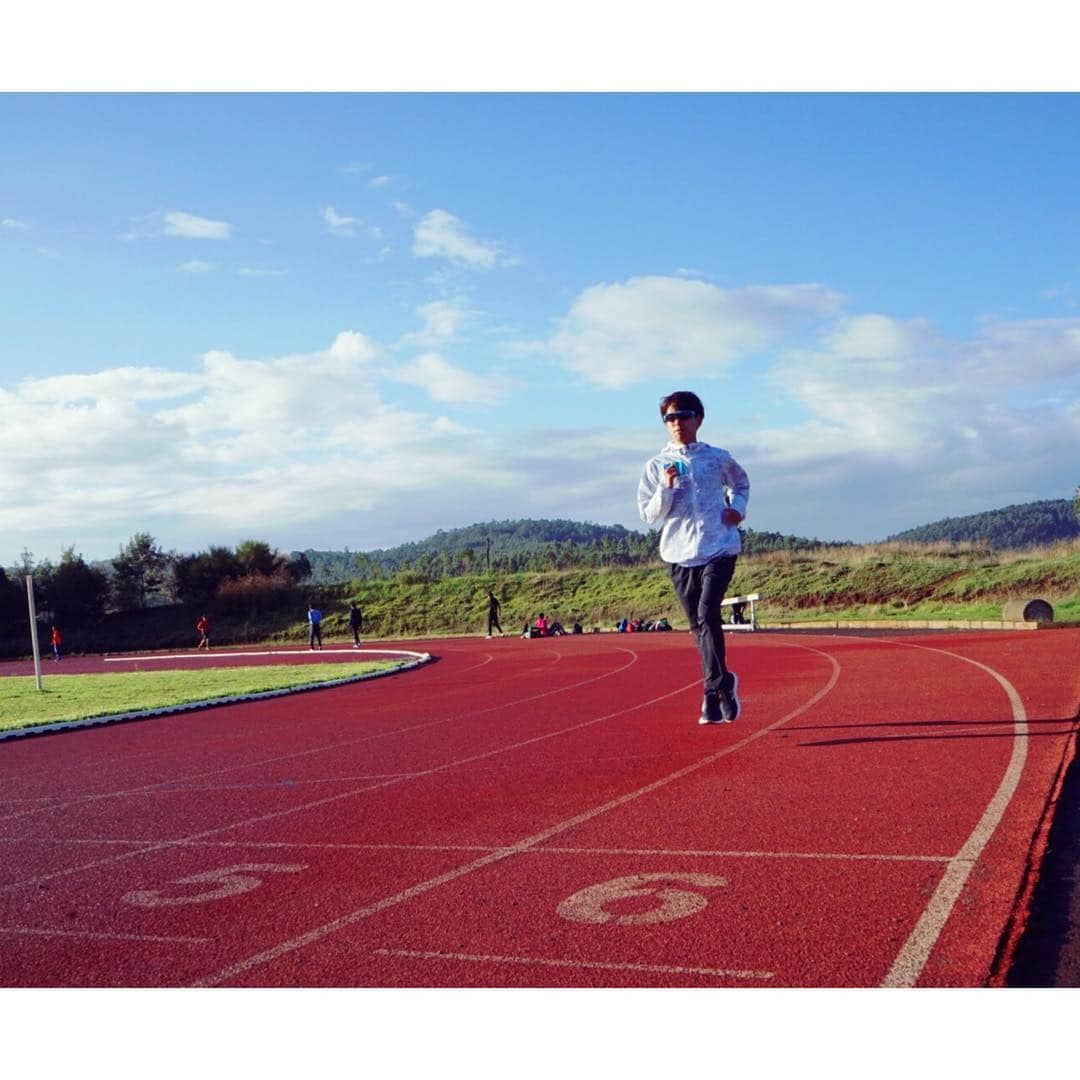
(679, 414)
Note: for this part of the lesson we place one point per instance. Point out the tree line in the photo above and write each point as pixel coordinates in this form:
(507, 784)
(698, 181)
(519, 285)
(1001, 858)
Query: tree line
(253, 576)
(254, 579)
(1010, 528)
(527, 545)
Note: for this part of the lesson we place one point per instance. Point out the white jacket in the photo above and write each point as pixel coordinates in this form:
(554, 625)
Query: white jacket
(692, 530)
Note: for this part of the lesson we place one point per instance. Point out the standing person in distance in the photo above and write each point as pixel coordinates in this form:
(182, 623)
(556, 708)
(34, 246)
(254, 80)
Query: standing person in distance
(203, 629)
(698, 495)
(56, 640)
(493, 614)
(314, 620)
(356, 623)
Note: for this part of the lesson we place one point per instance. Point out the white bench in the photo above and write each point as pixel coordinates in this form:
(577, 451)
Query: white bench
(748, 599)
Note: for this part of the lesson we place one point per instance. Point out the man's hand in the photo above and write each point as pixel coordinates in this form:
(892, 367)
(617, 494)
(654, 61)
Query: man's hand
(731, 517)
(671, 474)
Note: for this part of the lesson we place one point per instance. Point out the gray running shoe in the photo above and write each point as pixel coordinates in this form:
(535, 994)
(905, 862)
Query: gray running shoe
(729, 697)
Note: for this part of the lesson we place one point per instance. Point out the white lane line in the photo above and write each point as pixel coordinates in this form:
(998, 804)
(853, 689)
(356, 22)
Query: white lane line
(180, 708)
(27, 930)
(660, 853)
(334, 747)
(652, 969)
(912, 958)
(218, 655)
(274, 814)
(314, 935)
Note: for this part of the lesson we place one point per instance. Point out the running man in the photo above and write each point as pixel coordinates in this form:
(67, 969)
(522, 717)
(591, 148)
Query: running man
(203, 629)
(698, 495)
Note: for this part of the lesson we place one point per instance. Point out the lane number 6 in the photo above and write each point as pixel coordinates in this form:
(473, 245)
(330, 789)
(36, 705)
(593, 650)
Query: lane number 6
(588, 905)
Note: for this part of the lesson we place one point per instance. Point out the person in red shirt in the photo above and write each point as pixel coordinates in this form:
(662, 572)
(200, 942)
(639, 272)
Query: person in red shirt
(203, 627)
(541, 624)
(56, 639)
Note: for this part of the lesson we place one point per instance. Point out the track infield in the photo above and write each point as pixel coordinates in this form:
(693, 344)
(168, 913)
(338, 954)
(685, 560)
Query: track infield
(548, 813)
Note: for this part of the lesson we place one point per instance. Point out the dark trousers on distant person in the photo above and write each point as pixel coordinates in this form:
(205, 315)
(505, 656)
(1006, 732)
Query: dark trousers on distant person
(493, 622)
(700, 590)
(315, 635)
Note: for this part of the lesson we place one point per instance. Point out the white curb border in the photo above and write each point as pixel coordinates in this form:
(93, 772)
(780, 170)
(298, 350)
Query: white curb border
(208, 703)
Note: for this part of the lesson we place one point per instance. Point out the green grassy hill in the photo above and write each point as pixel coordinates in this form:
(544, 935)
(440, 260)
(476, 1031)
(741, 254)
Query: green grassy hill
(875, 581)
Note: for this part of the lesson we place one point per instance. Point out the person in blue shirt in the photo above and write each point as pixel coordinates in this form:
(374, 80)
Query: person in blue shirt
(315, 619)
(697, 494)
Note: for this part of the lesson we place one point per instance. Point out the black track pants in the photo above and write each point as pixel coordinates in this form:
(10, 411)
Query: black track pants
(700, 590)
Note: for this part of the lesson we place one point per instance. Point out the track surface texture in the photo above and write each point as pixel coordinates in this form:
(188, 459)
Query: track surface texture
(549, 813)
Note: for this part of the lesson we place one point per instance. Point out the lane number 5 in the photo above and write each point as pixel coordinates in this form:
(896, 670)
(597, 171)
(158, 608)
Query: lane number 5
(230, 881)
(589, 905)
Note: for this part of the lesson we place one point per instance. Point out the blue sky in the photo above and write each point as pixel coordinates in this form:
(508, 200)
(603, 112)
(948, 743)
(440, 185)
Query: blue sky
(330, 320)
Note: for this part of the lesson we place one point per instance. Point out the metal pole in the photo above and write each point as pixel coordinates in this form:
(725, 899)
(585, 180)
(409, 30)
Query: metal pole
(33, 628)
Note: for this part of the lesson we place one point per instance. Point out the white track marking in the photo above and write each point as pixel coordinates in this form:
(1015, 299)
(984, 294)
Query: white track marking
(327, 748)
(659, 853)
(274, 814)
(912, 958)
(652, 969)
(28, 930)
(359, 654)
(227, 879)
(316, 934)
(589, 905)
(182, 707)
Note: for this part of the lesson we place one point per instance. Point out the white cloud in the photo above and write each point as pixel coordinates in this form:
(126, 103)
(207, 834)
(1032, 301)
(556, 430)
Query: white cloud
(654, 327)
(380, 181)
(278, 447)
(339, 225)
(404, 209)
(439, 234)
(905, 426)
(178, 223)
(259, 272)
(14, 224)
(355, 168)
(442, 321)
(195, 266)
(444, 382)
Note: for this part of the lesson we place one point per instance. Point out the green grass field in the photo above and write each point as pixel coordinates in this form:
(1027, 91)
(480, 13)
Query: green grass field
(79, 697)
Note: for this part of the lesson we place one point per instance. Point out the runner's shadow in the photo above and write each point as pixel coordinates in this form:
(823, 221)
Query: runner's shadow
(1005, 731)
(928, 723)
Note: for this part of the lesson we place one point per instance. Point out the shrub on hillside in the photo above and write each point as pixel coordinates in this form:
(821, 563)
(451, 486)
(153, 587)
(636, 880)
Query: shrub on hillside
(258, 594)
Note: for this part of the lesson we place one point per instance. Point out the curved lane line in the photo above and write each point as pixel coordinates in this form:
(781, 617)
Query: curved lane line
(165, 844)
(208, 703)
(912, 958)
(79, 800)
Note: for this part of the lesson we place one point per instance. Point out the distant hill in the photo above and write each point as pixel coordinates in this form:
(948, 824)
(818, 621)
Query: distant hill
(521, 545)
(1019, 526)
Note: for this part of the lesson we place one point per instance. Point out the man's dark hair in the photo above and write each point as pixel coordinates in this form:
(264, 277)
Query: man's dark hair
(682, 399)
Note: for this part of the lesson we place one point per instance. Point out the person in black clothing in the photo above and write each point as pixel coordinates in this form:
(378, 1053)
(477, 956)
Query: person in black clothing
(493, 614)
(356, 623)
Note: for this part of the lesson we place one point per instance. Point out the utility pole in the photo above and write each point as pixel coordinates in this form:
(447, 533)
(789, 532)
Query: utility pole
(33, 628)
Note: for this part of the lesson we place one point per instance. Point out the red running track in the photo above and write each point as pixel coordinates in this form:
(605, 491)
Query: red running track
(549, 813)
